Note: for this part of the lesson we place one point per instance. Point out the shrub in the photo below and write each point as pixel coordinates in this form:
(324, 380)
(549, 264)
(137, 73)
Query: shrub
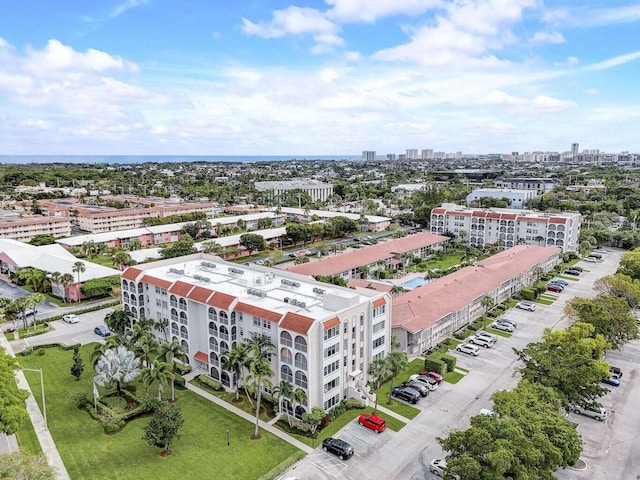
(179, 382)
(25, 352)
(450, 361)
(112, 425)
(183, 369)
(80, 399)
(434, 364)
(208, 382)
(528, 294)
(353, 404)
(460, 335)
(40, 352)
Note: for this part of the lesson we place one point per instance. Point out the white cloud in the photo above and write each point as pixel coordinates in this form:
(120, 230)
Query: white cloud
(614, 62)
(59, 57)
(548, 37)
(368, 11)
(585, 16)
(126, 5)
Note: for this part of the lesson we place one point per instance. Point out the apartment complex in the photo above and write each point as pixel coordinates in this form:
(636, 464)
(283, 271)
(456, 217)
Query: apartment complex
(432, 312)
(325, 336)
(24, 229)
(373, 223)
(517, 198)
(540, 185)
(480, 227)
(391, 255)
(315, 189)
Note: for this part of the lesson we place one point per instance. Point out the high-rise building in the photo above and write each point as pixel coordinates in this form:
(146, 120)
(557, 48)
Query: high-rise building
(368, 155)
(412, 154)
(574, 150)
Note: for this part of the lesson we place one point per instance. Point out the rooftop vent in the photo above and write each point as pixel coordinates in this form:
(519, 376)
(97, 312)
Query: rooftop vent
(236, 271)
(289, 283)
(177, 271)
(256, 292)
(319, 291)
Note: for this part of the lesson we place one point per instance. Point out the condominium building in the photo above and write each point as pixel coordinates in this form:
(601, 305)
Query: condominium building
(315, 189)
(24, 229)
(516, 198)
(368, 155)
(540, 185)
(428, 314)
(325, 336)
(480, 227)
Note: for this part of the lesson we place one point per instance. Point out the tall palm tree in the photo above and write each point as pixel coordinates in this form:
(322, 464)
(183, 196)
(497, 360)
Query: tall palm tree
(158, 372)
(378, 374)
(235, 361)
(54, 279)
(396, 362)
(146, 347)
(169, 352)
(260, 374)
(21, 304)
(487, 303)
(122, 259)
(298, 397)
(33, 301)
(79, 267)
(66, 280)
(100, 349)
(162, 325)
(118, 365)
(283, 391)
(118, 321)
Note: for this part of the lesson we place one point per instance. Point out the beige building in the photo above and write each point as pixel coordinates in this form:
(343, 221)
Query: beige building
(24, 229)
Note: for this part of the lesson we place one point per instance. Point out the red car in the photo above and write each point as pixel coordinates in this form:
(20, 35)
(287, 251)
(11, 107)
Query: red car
(435, 375)
(555, 288)
(373, 422)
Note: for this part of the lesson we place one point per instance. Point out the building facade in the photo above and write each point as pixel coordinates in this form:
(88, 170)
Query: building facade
(479, 227)
(325, 336)
(318, 191)
(540, 185)
(368, 155)
(24, 229)
(517, 198)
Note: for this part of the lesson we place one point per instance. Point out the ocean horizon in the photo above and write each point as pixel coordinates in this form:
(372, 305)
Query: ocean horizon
(137, 159)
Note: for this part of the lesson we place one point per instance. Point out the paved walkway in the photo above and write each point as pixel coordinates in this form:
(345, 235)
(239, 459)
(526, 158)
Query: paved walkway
(42, 432)
(8, 443)
(241, 413)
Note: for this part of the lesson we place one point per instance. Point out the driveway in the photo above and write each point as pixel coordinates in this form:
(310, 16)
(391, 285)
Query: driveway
(9, 290)
(407, 453)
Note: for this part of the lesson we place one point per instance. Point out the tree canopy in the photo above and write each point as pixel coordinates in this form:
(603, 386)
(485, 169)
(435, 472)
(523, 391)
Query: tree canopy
(12, 407)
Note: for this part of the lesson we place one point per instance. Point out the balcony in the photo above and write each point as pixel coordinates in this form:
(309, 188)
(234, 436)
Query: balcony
(184, 335)
(301, 365)
(286, 360)
(224, 336)
(301, 347)
(286, 343)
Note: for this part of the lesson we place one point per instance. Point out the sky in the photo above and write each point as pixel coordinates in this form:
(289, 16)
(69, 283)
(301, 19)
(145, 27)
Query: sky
(318, 77)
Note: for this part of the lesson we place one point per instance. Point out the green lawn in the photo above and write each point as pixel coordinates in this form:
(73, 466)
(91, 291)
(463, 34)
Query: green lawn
(568, 277)
(28, 440)
(31, 331)
(200, 452)
(399, 406)
(453, 377)
(500, 333)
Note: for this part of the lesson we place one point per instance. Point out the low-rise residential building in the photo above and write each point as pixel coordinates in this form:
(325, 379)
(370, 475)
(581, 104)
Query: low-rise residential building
(318, 191)
(24, 228)
(325, 336)
(373, 223)
(516, 198)
(539, 185)
(391, 255)
(482, 226)
(428, 314)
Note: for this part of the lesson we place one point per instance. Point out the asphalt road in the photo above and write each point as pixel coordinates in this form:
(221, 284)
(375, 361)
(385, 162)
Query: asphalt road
(407, 454)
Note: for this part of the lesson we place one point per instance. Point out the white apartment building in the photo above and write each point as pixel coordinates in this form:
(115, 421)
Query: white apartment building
(517, 198)
(24, 229)
(540, 185)
(368, 155)
(480, 227)
(325, 336)
(315, 189)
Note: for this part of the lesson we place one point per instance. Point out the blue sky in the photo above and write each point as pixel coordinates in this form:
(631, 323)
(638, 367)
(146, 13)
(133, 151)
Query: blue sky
(205, 77)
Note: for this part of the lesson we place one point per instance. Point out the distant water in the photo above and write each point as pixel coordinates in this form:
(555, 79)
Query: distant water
(134, 159)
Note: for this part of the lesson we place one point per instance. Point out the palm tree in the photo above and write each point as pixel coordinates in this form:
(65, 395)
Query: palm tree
(299, 396)
(89, 249)
(78, 267)
(21, 305)
(118, 321)
(158, 372)
(235, 360)
(397, 290)
(33, 301)
(100, 349)
(396, 362)
(117, 365)
(487, 303)
(54, 279)
(122, 259)
(169, 352)
(66, 280)
(162, 325)
(378, 374)
(135, 244)
(260, 374)
(283, 391)
(146, 347)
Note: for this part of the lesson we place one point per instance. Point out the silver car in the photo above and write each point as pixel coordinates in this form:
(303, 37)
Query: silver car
(468, 349)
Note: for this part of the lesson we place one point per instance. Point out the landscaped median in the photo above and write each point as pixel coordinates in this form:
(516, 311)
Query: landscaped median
(202, 451)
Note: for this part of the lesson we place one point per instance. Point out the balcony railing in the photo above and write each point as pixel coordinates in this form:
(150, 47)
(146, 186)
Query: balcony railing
(286, 360)
(224, 336)
(184, 335)
(302, 365)
(213, 332)
(285, 342)
(184, 321)
(301, 346)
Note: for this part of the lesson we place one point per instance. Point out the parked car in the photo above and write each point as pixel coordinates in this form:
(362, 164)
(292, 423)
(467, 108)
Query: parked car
(373, 422)
(29, 312)
(438, 467)
(615, 372)
(468, 349)
(420, 387)
(554, 288)
(590, 259)
(435, 375)
(338, 447)
(595, 255)
(70, 318)
(430, 382)
(599, 413)
(407, 394)
(577, 268)
(482, 341)
(102, 330)
(489, 336)
(559, 281)
(614, 382)
(507, 320)
(570, 271)
(505, 327)
(524, 305)
(10, 328)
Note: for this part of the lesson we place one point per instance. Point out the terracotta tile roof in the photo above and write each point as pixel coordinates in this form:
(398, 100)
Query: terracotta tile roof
(199, 294)
(422, 307)
(258, 312)
(332, 322)
(558, 220)
(180, 288)
(296, 323)
(371, 284)
(131, 273)
(221, 300)
(201, 357)
(378, 302)
(382, 251)
(157, 282)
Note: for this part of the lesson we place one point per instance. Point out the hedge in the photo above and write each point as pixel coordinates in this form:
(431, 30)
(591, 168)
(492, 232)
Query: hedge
(528, 293)
(432, 364)
(183, 369)
(207, 382)
(441, 358)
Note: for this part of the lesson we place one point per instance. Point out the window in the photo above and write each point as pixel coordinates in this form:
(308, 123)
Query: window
(261, 323)
(331, 384)
(379, 310)
(301, 379)
(285, 339)
(362, 319)
(331, 350)
(286, 373)
(332, 402)
(332, 367)
(378, 326)
(301, 361)
(301, 344)
(331, 332)
(378, 342)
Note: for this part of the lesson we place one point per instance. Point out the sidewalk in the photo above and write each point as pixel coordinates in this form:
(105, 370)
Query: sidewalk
(241, 413)
(42, 432)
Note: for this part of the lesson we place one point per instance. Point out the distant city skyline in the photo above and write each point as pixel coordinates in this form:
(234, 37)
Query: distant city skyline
(145, 77)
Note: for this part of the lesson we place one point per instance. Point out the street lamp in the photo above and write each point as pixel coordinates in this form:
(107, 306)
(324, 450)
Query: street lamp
(44, 403)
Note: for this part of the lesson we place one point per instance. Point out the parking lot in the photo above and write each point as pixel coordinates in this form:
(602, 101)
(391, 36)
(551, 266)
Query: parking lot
(407, 453)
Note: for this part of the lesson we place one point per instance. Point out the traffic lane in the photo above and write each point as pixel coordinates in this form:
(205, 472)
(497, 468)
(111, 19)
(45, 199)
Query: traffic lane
(611, 447)
(72, 333)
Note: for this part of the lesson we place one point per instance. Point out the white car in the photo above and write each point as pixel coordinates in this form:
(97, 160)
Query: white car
(468, 349)
(428, 382)
(507, 320)
(482, 341)
(438, 466)
(526, 306)
(505, 327)
(70, 318)
(590, 260)
(489, 336)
